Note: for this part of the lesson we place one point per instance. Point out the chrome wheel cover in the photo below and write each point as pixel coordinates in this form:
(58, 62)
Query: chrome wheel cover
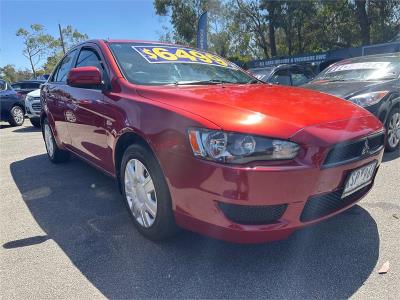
(18, 115)
(48, 138)
(394, 130)
(140, 193)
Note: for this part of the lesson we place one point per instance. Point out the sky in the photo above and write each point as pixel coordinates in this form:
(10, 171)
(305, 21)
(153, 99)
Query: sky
(134, 19)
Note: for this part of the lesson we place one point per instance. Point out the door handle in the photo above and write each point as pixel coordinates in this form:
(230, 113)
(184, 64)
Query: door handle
(84, 102)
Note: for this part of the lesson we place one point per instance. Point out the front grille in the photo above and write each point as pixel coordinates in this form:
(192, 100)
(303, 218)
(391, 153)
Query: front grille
(36, 106)
(252, 215)
(320, 206)
(355, 150)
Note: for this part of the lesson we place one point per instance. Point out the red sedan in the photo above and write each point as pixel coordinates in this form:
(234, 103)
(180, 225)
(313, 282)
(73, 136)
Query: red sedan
(195, 142)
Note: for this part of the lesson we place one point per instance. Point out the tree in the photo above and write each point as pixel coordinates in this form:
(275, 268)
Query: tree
(363, 21)
(184, 16)
(273, 8)
(36, 44)
(254, 19)
(71, 37)
(10, 74)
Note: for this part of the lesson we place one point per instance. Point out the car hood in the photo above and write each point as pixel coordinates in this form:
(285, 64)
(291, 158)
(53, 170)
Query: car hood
(342, 89)
(258, 108)
(35, 93)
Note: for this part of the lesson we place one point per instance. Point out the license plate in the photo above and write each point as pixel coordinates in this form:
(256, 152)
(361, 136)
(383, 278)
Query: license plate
(359, 178)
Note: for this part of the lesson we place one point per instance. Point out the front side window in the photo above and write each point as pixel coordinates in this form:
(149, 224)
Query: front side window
(64, 67)
(31, 85)
(88, 57)
(299, 77)
(281, 77)
(152, 64)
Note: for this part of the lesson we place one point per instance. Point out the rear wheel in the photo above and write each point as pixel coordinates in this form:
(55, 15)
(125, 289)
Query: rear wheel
(393, 130)
(35, 122)
(16, 116)
(55, 154)
(146, 193)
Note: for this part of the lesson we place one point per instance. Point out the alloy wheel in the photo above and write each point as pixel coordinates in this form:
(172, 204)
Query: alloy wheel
(140, 193)
(394, 130)
(48, 138)
(18, 115)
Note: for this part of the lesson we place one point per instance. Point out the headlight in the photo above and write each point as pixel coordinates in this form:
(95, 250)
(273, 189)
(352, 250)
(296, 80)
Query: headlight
(29, 98)
(238, 148)
(368, 98)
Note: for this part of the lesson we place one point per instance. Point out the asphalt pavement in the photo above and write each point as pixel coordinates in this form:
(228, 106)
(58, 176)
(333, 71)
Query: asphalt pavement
(65, 233)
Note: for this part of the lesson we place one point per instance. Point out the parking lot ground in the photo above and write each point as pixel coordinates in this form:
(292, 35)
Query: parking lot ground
(65, 234)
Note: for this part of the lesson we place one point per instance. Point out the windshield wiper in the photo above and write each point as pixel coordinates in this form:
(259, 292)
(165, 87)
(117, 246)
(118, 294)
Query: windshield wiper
(202, 82)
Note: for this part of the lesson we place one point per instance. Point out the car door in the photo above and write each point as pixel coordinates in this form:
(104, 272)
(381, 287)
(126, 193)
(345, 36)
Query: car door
(91, 113)
(7, 98)
(56, 96)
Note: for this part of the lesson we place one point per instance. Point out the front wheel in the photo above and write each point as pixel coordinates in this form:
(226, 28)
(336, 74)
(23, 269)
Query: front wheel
(16, 116)
(55, 154)
(35, 122)
(146, 193)
(393, 130)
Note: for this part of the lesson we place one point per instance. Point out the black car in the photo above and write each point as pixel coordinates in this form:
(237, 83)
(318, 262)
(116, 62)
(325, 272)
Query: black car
(26, 86)
(284, 74)
(372, 82)
(11, 104)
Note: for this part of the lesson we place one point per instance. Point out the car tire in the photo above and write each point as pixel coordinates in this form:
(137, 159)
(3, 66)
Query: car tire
(392, 126)
(35, 122)
(17, 116)
(151, 211)
(55, 154)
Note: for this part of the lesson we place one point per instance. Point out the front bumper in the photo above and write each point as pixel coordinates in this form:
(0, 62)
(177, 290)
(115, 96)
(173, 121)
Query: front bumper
(229, 202)
(197, 198)
(33, 108)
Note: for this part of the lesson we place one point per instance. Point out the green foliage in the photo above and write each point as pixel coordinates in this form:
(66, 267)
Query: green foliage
(266, 28)
(36, 44)
(42, 48)
(10, 74)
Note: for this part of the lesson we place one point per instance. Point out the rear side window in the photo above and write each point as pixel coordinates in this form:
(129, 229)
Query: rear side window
(30, 85)
(64, 67)
(16, 86)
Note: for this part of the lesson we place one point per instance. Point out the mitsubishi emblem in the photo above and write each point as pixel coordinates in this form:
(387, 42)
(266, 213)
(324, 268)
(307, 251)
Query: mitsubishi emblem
(365, 149)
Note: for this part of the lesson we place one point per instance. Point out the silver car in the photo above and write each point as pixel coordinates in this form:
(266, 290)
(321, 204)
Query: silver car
(33, 107)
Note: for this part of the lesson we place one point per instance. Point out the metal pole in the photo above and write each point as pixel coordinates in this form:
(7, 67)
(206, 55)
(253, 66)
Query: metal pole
(61, 38)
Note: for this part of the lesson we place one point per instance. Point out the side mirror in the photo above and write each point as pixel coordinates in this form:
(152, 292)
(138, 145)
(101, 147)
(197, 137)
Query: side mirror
(84, 77)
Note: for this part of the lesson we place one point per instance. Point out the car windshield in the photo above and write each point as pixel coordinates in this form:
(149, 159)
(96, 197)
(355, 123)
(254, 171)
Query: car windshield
(152, 64)
(378, 69)
(261, 74)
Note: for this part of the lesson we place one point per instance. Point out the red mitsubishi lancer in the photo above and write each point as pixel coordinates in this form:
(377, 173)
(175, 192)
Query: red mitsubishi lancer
(197, 143)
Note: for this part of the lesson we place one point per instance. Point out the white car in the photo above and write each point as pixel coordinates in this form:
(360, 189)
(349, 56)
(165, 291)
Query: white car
(33, 107)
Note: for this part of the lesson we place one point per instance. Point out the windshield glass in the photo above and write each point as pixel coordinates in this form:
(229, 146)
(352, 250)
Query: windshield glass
(152, 64)
(261, 74)
(379, 69)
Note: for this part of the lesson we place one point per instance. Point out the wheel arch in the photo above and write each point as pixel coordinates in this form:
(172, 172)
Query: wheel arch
(123, 142)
